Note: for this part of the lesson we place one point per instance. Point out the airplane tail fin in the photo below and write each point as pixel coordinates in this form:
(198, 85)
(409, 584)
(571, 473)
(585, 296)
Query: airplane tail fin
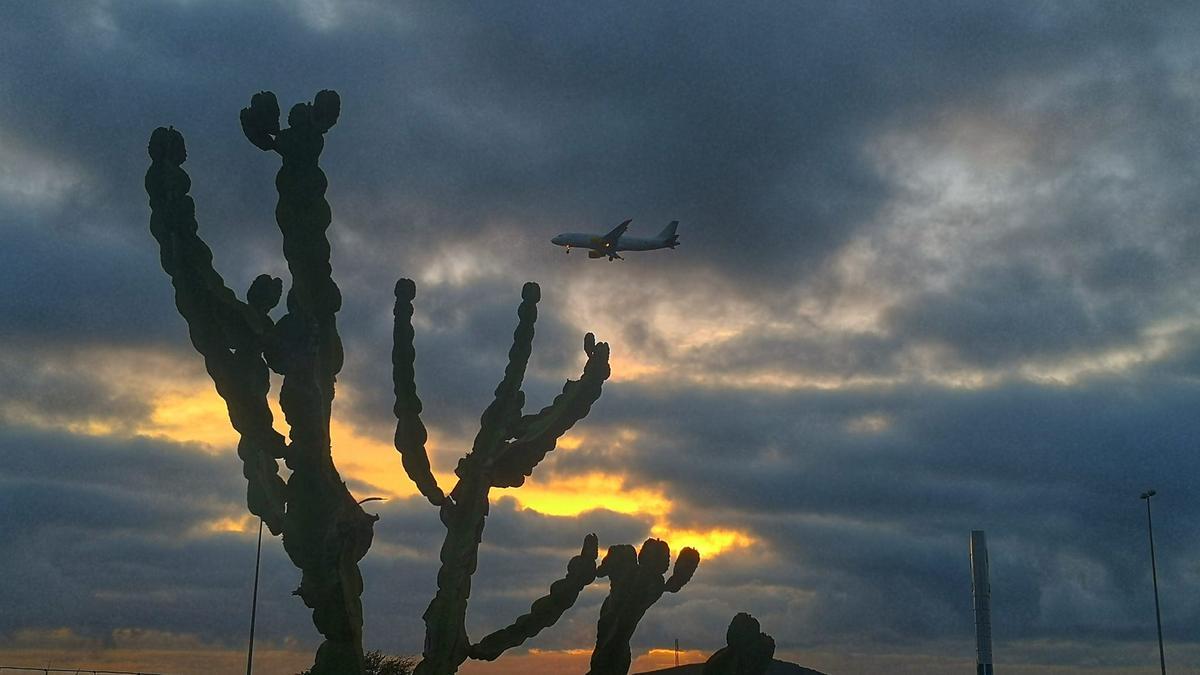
(668, 234)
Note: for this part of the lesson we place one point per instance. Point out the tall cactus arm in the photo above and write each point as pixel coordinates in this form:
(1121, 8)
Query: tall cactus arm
(303, 215)
(410, 431)
(466, 509)
(325, 530)
(505, 409)
(546, 610)
(538, 434)
(619, 563)
(685, 566)
(227, 332)
(260, 121)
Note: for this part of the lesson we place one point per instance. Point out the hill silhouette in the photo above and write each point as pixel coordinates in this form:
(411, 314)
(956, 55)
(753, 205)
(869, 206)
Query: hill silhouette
(777, 668)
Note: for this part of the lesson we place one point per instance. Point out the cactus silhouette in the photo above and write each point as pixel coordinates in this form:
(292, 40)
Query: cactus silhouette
(581, 571)
(635, 583)
(506, 450)
(747, 651)
(325, 531)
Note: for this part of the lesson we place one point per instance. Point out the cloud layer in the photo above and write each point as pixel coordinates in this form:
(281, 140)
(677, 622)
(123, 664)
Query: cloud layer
(937, 274)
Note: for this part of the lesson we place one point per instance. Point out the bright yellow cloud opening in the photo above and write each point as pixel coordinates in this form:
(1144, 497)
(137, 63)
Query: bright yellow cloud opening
(200, 417)
(707, 542)
(573, 495)
(239, 523)
(191, 417)
(186, 409)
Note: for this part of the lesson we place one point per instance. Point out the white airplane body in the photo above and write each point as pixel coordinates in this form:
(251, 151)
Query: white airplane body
(615, 241)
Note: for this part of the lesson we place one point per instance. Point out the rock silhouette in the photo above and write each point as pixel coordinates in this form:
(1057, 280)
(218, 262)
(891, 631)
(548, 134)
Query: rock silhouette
(747, 652)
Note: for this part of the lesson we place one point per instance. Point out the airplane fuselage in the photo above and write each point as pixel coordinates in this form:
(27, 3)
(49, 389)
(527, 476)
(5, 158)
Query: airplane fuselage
(596, 242)
(611, 244)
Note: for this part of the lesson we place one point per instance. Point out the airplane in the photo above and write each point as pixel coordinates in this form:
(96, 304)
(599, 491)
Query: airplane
(614, 241)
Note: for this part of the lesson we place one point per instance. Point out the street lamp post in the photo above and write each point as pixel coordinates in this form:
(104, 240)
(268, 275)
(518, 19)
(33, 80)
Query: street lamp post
(1162, 659)
(254, 602)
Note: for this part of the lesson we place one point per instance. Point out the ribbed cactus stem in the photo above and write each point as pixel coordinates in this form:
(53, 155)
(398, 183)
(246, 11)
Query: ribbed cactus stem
(410, 431)
(446, 641)
(325, 531)
(685, 566)
(505, 409)
(546, 610)
(303, 215)
(226, 332)
(635, 584)
(465, 510)
(538, 434)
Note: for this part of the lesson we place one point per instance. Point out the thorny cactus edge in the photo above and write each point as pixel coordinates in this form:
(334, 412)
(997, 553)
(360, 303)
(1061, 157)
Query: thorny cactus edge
(506, 450)
(325, 532)
(635, 584)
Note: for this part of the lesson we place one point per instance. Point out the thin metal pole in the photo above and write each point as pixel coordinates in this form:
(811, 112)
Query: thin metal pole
(254, 602)
(1162, 659)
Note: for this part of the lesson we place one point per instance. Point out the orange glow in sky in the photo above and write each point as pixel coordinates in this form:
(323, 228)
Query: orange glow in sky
(200, 417)
(187, 410)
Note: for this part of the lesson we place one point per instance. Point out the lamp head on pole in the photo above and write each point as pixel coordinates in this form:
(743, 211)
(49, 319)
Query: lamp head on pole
(1148, 494)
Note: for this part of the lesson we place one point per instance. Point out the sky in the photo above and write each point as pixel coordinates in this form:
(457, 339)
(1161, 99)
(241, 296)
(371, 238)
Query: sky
(937, 273)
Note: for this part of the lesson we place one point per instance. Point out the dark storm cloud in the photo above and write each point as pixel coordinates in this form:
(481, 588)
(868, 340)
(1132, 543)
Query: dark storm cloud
(749, 128)
(533, 115)
(1016, 314)
(98, 534)
(821, 355)
(69, 288)
(878, 520)
(1086, 265)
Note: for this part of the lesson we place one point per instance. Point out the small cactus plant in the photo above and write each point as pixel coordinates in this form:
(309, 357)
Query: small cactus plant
(635, 582)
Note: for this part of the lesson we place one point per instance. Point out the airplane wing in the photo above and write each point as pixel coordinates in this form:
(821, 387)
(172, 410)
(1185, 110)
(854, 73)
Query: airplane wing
(616, 232)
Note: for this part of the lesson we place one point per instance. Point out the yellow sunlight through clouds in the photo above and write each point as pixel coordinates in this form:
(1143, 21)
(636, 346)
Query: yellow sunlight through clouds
(184, 408)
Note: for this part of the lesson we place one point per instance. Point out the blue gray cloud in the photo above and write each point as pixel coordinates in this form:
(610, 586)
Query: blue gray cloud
(937, 273)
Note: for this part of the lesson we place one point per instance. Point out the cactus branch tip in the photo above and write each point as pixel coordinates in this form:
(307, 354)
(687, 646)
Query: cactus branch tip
(531, 292)
(166, 145)
(406, 290)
